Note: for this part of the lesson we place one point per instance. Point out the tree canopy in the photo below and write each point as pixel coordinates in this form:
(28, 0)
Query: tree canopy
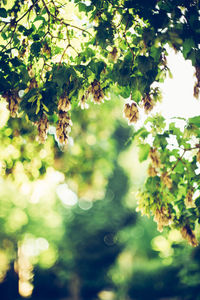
(58, 57)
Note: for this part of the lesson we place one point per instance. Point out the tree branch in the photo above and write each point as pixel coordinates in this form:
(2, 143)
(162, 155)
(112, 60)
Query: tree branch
(30, 8)
(63, 22)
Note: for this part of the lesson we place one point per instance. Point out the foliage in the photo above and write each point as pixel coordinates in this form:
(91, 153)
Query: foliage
(50, 66)
(88, 249)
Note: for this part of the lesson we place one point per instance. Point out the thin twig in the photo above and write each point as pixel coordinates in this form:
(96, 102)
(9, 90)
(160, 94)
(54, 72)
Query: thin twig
(4, 26)
(63, 22)
(180, 158)
(10, 41)
(30, 8)
(63, 55)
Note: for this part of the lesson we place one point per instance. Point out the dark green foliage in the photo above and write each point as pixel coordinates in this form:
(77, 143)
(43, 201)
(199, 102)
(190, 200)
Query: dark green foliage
(50, 65)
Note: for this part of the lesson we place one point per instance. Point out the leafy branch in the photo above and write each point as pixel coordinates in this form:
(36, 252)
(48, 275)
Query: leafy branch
(62, 21)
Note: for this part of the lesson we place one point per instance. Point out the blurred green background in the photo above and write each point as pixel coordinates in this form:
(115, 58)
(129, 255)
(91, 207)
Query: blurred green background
(69, 229)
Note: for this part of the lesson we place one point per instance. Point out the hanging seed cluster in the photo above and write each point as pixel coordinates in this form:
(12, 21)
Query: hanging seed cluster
(197, 84)
(113, 54)
(166, 180)
(151, 171)
(155, 165)
(97, 92)
(198, 156)
(46, 49)
(82, 103)
(155, 158)
(64, 124)
(189, 198)
(162, 217)
(189, 235)
(42, 125)
(33, 84)
(148, 103)
(64, 103)
(131, 112)
(13, 101)
(63, 127)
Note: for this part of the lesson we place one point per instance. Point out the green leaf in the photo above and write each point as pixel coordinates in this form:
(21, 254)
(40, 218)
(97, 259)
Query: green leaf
(152, 184)
(16, 62)
(124, 91)
(193, 55)
(4, 84)
(174, 130)
(194, 120)
(142, 132)
(136, 96)
(82, 7)
(156, 52)
(39, 18)
(145, 64)
(45, 107)
(3, 13)
(32, 99)
(4, 36)
(21, 28)
(36, 37)
(179, 168)
(188, 44)
(100, 67)
(28, 32)
(197, 202)
(143, 152)
(35, 48)
(38, 106)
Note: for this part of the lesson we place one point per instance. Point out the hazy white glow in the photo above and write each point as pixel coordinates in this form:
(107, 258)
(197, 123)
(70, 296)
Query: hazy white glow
(66, 195)
(178, 100)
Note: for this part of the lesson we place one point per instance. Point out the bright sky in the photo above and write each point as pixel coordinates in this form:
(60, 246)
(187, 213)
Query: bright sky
(178, 100)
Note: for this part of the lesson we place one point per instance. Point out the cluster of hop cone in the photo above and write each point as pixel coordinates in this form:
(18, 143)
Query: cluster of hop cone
(13, 100)
(64, 124)
(131, 111)
(197, 84)
(162, 215)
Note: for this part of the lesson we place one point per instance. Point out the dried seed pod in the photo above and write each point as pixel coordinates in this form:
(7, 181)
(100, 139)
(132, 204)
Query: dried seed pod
(63, 127)
(198, 156)
(197, 73)
(164, 60)
(82, 103)
(197, 84)
(148, 103)
(33, 84)
(131, 112)
(13, 101)
(23, 49)
(42, 125)
(97, 92)
(46, 49)
(166, 180)
(64, 103)
(155, 158)
(189, 235)
(113, 54)
(188, 199)
(196, 91)
(152, 172)
(162, 217)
